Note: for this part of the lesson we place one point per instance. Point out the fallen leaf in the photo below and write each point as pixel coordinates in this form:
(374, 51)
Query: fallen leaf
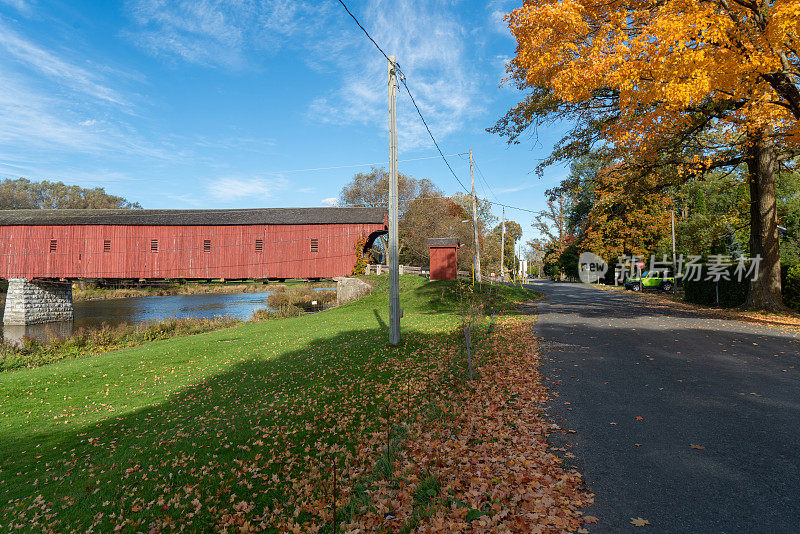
(639, 522)
(692, 445)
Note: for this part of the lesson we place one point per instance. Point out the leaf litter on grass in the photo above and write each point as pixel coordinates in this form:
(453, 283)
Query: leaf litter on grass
(389, 441)
(489, 452)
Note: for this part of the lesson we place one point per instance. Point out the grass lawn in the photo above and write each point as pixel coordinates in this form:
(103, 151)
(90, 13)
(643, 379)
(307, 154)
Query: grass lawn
(233, 429)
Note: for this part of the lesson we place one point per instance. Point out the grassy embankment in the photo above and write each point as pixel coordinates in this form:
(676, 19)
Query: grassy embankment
(235, 428)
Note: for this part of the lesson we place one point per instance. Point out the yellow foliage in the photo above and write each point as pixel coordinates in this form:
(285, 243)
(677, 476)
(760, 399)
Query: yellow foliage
(665, 58)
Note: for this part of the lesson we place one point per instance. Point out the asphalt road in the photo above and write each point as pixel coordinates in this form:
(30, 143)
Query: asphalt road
(641, 383)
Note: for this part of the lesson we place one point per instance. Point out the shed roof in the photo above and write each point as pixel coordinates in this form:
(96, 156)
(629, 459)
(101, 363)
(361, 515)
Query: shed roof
(129, 217)
(444, 242)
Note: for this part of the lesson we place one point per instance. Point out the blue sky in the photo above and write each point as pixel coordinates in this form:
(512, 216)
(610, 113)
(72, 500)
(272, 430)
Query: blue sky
(207, 104)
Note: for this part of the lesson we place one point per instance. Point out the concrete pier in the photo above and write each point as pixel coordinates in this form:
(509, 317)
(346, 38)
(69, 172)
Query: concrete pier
(33, 302)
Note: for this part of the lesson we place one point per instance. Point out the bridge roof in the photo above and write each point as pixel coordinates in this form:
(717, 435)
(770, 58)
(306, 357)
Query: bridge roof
(235, 217)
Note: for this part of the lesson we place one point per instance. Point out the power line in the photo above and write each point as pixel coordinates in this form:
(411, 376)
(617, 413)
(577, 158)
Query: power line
(365, 31)
(419, 112)
(353, 165)
(481, 183)
(497, 200)
(435, 143)
(413, 101)
(485, 181)
(483, 200)
(512, 207)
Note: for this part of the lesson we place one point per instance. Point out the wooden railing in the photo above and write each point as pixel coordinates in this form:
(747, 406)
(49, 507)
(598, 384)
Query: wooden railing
(404, 269)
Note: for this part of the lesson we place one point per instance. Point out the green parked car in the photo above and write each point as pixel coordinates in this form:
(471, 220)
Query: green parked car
(663, 280)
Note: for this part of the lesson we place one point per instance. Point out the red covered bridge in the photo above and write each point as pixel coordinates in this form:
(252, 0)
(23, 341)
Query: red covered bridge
(41, 251)
(270, 243)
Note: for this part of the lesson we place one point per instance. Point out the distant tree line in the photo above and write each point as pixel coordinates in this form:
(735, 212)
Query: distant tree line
(25, 194)
(712, 216)
(425, 212)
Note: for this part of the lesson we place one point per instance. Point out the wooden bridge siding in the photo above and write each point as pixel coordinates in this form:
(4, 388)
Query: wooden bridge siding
(25, 251)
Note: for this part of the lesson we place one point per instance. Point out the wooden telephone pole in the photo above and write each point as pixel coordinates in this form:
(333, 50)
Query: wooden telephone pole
(394, 266)
(477, 259)
(503, 247)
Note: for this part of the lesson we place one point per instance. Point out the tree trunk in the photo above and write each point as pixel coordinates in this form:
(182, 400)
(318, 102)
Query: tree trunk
(765, 292)
(385, 243)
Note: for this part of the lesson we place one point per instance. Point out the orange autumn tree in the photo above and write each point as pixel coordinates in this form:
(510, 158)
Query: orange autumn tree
(609, 218)
(621, 224)
(686, 84)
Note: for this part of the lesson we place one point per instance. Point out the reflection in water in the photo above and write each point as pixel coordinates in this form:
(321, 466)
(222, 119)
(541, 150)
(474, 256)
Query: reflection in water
(136, 310)
(93, 313)
(13, 334)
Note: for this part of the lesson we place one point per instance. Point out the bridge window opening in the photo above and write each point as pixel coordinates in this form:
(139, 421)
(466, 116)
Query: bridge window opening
(53, 245)
(259, 245)
(154, 245)
(106, 245)
(315, 245)
(207, 245)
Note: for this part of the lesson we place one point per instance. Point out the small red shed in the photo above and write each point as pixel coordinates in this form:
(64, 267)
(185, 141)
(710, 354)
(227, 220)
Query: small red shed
(444, 260)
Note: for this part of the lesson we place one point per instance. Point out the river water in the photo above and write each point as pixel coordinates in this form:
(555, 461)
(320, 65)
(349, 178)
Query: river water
(94, 313)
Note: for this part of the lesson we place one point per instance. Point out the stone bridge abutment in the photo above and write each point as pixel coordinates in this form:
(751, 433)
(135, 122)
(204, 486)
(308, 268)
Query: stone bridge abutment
(34, 302)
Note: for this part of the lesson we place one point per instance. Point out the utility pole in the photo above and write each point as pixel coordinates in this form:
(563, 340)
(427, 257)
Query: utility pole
(503, 248)
(394, 268)
(477, 260)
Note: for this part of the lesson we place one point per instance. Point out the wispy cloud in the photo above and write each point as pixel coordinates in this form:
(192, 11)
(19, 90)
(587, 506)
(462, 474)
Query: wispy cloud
(515, 189)
(34, 125)
(190, 200)
(257, 190)
(57, 69)
(50, 105)
(498, 9)
(218, 32)
(430, 45)
(498, 23)
(329, 201)
(31, 118)
(20, 5)
(429, 41)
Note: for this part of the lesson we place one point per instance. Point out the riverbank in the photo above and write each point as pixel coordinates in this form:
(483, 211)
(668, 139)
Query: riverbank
(94, 341)
(51, 343)
(294, 424)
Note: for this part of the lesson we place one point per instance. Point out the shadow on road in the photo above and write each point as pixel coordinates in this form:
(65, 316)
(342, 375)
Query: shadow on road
(641, 384)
